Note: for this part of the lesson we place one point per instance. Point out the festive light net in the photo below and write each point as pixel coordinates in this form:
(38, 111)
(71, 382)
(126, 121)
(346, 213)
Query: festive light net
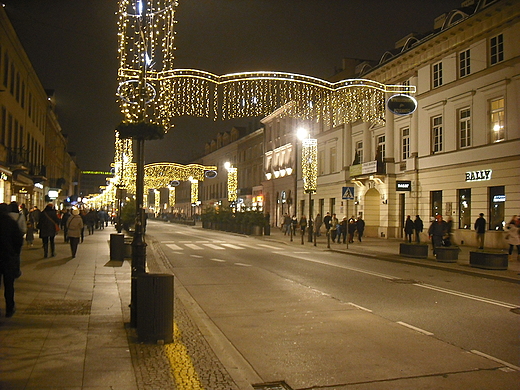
(151, 89)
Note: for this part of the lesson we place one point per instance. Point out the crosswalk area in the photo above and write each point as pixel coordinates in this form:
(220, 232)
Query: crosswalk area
(213, 245)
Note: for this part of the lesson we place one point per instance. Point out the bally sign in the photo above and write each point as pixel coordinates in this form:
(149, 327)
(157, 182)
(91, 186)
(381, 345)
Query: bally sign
(485, 174)
(403, 185)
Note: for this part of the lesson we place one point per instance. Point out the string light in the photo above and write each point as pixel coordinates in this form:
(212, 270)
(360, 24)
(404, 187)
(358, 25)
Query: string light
(310, 164)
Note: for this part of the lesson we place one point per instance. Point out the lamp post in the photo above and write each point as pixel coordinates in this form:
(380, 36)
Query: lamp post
(232, 184)
(309, 169)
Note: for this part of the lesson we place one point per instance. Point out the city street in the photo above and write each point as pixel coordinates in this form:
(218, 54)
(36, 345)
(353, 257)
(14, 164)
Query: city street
(322, 319)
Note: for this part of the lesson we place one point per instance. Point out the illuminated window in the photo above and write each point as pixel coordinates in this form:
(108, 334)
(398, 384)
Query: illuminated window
(497, 203)
(436, 134)
(405, 143)
(464, 63)
(465, 208)
(496, 47)
(436, 203)
(437, 75)
(465, 127)
(497, 123)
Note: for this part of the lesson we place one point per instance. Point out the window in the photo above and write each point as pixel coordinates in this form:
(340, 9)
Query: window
(496, 46)
(381, 153)
(321, 162)
(465, 127)
(333, 158)
(437, 74)
(465, 208)
(497, 112)
(436, 203)
(359, 153)
(497, 202)
(464, 63)
(437, 134)
(332, 205)
(405, 148)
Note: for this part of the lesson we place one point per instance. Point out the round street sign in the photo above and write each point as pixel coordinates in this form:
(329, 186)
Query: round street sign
(402, 104)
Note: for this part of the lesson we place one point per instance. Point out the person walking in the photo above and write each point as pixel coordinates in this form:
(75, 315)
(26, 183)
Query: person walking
(437, 231)
(74, 228)
(360, 227)
(286, 224)
(318, 221)
(11, 241)
(480, 227)
(63, 224)
(418, 227)
(409, 228)
(334, 228)
(351, 229)
(343, 230)
(31, 227)
(303, 224)
(49, 225)
(513, 236)
(18, 217)
(91, 219)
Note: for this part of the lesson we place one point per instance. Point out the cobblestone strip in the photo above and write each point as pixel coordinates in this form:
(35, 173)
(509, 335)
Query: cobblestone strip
(152, 362)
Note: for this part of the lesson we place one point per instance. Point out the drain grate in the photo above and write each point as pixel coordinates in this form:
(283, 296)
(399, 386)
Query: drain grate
(59, 307)
(272, 386)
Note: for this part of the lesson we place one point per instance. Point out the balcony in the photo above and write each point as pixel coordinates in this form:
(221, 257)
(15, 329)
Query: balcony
(18, 159)
(375, 167)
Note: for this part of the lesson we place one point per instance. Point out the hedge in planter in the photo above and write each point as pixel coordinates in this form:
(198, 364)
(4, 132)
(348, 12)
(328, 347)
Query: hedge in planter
(413, 250)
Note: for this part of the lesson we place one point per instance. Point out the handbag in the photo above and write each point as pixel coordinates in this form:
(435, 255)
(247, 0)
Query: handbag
(56, 226)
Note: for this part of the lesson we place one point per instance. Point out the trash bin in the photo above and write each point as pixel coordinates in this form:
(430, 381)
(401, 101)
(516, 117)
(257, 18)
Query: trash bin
(154, 308)
(117, 246)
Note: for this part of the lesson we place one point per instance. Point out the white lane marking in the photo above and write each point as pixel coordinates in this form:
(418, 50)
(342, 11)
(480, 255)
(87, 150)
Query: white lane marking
(218, 260)
(468, 296)
(270, 247)
(197, 256)
(360, 307)
(174, 247)
(213, 246)
(415, 328)
(193, 246)
(232, 246)
(243, 265)
(512, 366)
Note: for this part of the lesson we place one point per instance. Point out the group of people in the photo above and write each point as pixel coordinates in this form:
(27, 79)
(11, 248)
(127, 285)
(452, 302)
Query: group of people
(338, 230)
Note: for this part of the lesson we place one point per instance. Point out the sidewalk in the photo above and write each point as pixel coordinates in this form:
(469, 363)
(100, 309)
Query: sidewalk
(388, 249)
(69, 328)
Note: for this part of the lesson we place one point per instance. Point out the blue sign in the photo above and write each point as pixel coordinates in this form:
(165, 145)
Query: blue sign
(347, 193)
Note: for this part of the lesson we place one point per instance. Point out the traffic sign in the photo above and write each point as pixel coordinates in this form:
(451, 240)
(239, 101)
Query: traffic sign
(347, 193)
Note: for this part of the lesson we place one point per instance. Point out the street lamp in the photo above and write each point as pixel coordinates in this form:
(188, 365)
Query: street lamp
(232, 183)
(309, 169)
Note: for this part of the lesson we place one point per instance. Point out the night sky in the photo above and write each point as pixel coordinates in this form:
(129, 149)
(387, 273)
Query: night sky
(72, 45)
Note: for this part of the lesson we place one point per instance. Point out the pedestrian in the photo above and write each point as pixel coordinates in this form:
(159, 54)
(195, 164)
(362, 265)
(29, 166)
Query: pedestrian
(83, 215)
(351, 229)
(418, 227)
(360, 227)
(409, 228)
(303, 224)
(480, 227)
(91, 219)
(286, 224)
(326, 221)
(31, 228)
(18, 217)
(11, 241)
(318, 221)
(49, 226)
(513, 236)
(294, 224)
(344, 230)
(448, 239)
(437, 231)
(74, 227)
(63, 224)
(334, 228)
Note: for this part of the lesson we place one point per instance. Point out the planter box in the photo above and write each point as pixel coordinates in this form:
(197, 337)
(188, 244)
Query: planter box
(447, 254)
(419, 251)
(488, 260)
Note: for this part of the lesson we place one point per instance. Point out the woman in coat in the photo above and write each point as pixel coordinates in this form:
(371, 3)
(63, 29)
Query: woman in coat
(513, 235)
(74, 229)
(48, 226)
(409, 228)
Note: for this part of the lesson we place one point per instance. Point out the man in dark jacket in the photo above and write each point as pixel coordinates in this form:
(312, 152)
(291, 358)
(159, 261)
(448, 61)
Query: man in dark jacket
(480, 227)
(437, 231)
(11, 241)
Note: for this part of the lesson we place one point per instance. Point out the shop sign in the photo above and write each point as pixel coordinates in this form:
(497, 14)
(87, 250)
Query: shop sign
(484, 174)
(402, 104)
(403, 185)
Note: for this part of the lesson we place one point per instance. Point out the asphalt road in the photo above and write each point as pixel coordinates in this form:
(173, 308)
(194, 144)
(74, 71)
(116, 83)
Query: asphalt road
(320, 319)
